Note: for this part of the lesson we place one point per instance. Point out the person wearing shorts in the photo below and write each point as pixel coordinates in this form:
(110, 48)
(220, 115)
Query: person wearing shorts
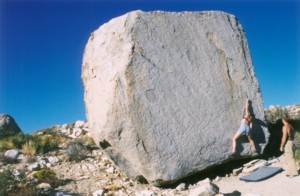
(245, 129)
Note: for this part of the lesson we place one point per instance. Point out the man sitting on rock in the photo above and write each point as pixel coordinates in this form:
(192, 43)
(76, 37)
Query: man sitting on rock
(245, 129)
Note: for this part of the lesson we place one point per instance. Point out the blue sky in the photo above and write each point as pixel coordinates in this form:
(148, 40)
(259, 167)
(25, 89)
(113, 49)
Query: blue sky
(42, 44)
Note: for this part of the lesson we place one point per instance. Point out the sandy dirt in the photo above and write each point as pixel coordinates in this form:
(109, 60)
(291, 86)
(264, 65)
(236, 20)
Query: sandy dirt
(278, 185)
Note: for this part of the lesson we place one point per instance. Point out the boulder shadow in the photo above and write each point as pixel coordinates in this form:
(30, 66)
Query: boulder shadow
(234, 193)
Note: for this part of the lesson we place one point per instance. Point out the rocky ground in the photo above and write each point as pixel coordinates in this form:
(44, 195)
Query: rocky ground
(95, 175)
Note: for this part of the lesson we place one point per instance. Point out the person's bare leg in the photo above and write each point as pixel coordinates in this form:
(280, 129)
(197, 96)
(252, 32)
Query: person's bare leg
(252, 142)
(234, 140)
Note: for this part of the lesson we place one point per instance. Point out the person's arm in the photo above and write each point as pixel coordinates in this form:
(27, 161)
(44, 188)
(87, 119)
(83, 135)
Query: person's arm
(283, 139)
(247, 108)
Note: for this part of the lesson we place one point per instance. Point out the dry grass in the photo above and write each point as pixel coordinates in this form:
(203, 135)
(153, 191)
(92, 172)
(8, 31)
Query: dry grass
(6, 145)
(29, 148)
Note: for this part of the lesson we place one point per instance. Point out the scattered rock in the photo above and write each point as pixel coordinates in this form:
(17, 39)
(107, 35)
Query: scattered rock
(53, 160)
(110, 170)
(12, 154)
(99, 192)
(254, 167)
(237, 171)
(206, 188)
(146, 193)
(34, 167)
(44, 186)
(181, 187)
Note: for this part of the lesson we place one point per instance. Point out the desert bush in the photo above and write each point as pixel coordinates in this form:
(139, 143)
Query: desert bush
(46, 175)
(6, 144)
(12, 185)
(88, 142)
(276, 114)
(76, 151)
(29, 148)
(50, 131)
(7, 182)
(46, 143)
(41, 143)
(14, 142)
(18, 140)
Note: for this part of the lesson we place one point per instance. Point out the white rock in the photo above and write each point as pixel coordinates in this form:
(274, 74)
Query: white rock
(53, 160)
(43, 161)
(205, 181)
(48, 165)
(237, 171)
(34, 167)
(110, 170)
(165, 92)
(146, 193)
(205, 189)
(99, 192)
(44, 186)
(79, 124)
(251, 163)
(257, 165)
(181, 187)
(12, 154)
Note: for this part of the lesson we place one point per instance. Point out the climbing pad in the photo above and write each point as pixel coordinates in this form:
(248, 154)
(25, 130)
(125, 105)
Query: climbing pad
(262, 174)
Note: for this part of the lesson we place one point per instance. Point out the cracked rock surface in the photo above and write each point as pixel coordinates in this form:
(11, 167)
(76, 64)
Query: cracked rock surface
(165, 92)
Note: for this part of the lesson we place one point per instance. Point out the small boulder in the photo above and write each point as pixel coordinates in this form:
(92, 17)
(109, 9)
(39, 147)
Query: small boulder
(44, 186)
(99, 192)
(34, 167)
(12, 154)
(206, 188)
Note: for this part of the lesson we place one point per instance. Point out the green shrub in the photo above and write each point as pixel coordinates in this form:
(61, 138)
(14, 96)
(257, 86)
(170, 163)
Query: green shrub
(18, 140)
(46, 175)
(88, 142)
(12, 142)
(45, 143)
(6, 144)
(7, 182)
(42, 143)
(76, 151)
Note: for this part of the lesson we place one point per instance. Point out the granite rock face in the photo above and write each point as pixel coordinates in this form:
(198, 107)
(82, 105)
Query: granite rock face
(8, 126)
(165, 92)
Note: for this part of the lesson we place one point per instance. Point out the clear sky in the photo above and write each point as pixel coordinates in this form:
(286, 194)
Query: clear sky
(42, 44)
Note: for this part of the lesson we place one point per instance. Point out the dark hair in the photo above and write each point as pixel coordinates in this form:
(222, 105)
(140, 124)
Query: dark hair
(251, 115)
(286, 118)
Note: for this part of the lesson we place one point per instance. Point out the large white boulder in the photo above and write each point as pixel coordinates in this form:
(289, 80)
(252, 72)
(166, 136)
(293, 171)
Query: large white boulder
(165, 92)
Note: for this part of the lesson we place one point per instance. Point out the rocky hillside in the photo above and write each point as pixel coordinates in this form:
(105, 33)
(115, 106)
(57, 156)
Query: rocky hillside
(74, 166)
(274, 113)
